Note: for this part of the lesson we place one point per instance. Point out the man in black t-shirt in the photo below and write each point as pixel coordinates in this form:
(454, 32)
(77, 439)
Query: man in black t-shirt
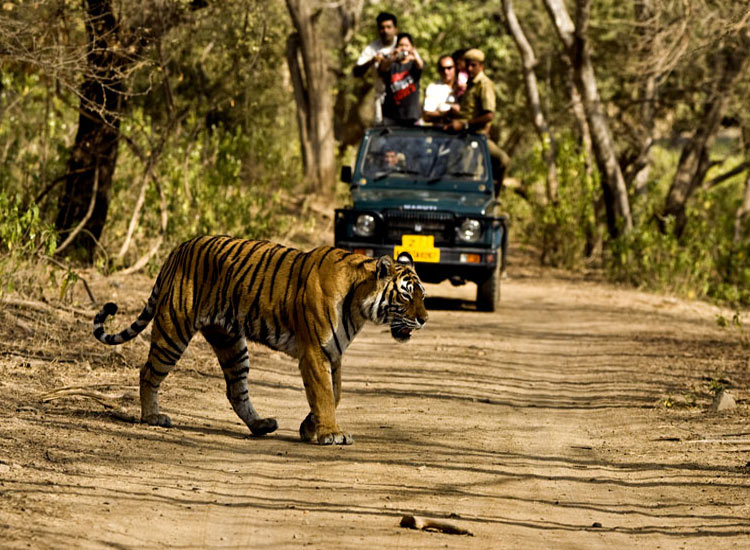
(401, 72)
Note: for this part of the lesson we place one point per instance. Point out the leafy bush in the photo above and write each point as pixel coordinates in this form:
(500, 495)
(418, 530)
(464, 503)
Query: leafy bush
(565, 232)
(23, 234)
(218, 181)
(704, 262)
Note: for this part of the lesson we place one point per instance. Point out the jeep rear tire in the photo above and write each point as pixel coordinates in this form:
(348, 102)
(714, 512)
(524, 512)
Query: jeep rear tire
(488, 291)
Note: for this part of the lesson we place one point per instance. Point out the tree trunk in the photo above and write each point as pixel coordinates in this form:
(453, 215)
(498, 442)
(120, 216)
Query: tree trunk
(313, 87)
(302, 102)
(575, 40)
(532, 95)
(637, 176)
(94, 152)
(694, 159)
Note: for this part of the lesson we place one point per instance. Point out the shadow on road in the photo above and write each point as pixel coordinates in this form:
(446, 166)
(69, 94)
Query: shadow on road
(440, 303)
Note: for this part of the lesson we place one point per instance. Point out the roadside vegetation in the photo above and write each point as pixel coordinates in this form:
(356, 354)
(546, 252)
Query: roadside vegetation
(125, 129)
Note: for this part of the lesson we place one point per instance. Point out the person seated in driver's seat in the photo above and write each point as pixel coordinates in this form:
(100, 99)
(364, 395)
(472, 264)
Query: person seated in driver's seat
(393, 160)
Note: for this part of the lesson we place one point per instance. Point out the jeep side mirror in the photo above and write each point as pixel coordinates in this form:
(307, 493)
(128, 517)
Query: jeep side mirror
(346, 174)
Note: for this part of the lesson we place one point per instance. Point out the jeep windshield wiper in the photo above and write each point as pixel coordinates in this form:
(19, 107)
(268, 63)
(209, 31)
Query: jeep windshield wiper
(460, 174)
(385, 174)
(450, 175)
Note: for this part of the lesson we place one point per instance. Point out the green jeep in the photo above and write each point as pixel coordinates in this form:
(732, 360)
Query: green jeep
(430, 193)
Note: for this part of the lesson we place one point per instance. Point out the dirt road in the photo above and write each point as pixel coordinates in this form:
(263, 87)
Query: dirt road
(575, 417)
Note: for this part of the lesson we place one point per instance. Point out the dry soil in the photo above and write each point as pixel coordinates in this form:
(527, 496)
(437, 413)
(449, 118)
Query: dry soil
(577, 416)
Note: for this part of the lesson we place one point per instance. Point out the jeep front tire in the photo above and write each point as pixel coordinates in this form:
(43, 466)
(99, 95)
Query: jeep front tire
(488, 291)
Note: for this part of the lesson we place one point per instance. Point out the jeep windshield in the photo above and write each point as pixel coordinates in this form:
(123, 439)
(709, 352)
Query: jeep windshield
(428, 156)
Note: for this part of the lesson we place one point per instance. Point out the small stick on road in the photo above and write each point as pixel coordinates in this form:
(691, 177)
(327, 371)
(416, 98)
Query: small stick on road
(427, 524)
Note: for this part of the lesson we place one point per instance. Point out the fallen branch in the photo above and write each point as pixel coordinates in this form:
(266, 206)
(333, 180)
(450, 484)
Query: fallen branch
(426, 524)
(108, 401)
(43, 307)
(143, 260)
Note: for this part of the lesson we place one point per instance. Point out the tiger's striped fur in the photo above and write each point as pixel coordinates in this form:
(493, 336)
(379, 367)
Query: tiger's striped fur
(309, 305)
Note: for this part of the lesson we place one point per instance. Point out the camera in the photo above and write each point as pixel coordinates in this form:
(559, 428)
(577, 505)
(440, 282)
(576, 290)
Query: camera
(400, 56)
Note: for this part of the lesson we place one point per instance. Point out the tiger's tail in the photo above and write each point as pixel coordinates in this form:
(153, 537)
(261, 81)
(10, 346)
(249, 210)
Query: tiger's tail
(133, 330)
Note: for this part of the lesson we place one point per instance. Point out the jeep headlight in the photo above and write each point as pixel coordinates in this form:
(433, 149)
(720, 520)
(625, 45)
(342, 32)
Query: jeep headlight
(470, 230)
(365, 225)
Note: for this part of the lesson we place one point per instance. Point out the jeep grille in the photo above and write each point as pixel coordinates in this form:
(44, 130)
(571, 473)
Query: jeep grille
(415, 222)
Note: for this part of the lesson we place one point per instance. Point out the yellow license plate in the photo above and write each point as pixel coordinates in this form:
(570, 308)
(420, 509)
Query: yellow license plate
(421, 247)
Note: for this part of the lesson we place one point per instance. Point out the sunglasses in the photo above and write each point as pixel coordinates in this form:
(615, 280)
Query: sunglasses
(444, 68)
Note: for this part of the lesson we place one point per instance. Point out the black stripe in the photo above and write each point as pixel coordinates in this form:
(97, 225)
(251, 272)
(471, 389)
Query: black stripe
(171, 356)
(146, 315)
(254, 306)
(300, 278)
(285, 310)
(239, 376)
(333, 331)
(185, 263)
(346, 309)
(233, 250)
(239, 278)
(345, 256)
(239, 357)
(156, 372)
(330, 249)
(248, 318)
(203, 276)
(320, 344)
(210, 254)
(164, 360)
(276, 270)
(176, 323)
(166, 337)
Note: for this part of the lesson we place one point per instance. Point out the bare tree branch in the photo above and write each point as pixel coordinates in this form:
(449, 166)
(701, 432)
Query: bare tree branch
(74, 233)
(532, 96)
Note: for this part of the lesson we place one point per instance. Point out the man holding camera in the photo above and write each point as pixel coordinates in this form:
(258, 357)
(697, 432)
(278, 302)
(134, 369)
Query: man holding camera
(373, 55)
(401, 72)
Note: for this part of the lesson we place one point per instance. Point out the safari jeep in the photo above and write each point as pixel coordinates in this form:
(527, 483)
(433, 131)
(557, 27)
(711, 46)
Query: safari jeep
(430, 193)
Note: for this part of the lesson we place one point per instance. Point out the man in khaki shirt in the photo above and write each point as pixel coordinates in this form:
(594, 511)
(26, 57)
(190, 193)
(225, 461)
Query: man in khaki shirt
(477, 110)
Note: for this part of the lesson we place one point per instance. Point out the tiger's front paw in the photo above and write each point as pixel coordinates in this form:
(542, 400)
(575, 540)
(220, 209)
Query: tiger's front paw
(335, 438)
(157, 420)
(309, 431)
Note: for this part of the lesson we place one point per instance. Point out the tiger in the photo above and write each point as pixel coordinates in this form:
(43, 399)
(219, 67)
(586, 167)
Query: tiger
(309, 305)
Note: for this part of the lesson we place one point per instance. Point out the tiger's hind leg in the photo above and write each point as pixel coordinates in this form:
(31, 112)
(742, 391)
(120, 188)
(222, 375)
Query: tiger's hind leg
(166, 349)
(231, 350)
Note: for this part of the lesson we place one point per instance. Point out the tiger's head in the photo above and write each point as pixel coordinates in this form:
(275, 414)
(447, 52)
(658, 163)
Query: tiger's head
(400, 298)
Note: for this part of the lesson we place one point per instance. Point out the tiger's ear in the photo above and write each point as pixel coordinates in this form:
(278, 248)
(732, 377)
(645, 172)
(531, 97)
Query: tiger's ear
(384, 268)
(405, 259)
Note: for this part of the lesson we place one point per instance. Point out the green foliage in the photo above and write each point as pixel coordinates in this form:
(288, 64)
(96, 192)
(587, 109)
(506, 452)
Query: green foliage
(704, 262)
(564, 231)
(217, 181)
(23, 234)
(35, 130)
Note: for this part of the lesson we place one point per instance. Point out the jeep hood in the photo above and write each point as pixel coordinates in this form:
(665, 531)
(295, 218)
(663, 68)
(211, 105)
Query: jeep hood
(374, 198)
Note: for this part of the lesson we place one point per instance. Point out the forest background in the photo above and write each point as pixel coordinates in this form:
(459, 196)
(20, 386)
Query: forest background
(127, 127)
